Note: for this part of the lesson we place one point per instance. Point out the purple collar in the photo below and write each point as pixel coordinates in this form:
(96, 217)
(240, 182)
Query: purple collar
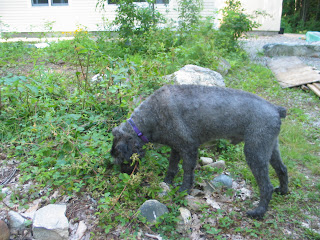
(140, 135)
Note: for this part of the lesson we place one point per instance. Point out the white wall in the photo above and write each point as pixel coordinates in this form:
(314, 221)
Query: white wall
(272, 7)
(21, 16)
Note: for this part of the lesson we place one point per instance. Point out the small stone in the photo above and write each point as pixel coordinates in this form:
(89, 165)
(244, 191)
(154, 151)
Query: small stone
(82, 228)
(196, 192)
(205, 160)
(223, 67)
(194, 203)
(4, 231)
(213, 203)
(152, 209)
(5, 190)
(185, 214)
(16, 221)
(218, 164)
(41, 45)
(223, 180)
(185, 220)
(244, 193)
(165, 187)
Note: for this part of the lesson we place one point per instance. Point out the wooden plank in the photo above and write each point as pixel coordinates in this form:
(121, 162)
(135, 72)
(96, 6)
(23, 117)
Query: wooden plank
(292, 72)
(315, 89)
(317, 85)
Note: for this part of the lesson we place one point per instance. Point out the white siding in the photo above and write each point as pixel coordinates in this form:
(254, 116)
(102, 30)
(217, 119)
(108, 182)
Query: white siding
(21, 16)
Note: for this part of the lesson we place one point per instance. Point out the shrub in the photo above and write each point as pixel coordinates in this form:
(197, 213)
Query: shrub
(235, 23)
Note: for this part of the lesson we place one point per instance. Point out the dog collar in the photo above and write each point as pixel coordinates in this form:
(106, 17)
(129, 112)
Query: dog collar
(138, 132)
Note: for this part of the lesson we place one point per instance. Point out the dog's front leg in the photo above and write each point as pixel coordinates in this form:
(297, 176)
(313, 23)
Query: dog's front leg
(189, 164)
(173, 166)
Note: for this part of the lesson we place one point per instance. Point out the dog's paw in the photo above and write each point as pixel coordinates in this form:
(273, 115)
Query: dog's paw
(280, 191)
(257, 213)
(182, 189)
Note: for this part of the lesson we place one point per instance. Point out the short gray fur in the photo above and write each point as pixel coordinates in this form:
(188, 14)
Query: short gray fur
(186, 116)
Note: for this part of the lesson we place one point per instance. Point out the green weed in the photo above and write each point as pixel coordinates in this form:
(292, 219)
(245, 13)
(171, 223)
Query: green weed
(57, 123)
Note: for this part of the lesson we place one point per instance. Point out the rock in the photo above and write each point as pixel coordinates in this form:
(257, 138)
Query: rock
(30, 212)
(196, 192)
(223, 180)
(4, 231)
(165, 187)
(218, 164)
(152, 209)
(50, 223)
(41, 45)
(192, 74)
(82, 228)
(223, 67)
(213, 203)
(5, 190)
(185, 220)
(292, 49)
(185, 215)
(16, 221)
(244, 193)
(218, 182)
(98, 77)
(206, 160)
(194, 203)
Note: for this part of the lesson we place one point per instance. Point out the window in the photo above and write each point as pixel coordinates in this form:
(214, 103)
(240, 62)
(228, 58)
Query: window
(52, 2)
(40, 2)
(59, 2)
(157, 1)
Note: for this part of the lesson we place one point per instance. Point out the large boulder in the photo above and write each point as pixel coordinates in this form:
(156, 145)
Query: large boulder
(292, 49)
(192, 74)
(50, 223)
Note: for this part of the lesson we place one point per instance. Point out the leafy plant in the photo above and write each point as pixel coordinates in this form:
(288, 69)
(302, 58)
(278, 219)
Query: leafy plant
(234, 23)
(189, 14)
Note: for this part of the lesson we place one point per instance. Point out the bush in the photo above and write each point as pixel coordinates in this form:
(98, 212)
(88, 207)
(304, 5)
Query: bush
(235, 23)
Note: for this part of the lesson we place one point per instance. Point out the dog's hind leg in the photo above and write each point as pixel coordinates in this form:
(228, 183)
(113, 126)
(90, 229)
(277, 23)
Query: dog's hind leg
(280, 169)
(173, 166)
(258, 155)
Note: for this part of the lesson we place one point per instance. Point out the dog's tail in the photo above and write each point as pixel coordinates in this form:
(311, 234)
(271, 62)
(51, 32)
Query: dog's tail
(282, 111)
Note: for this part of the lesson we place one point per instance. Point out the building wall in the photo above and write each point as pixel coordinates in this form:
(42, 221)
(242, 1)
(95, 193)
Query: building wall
(21, 16)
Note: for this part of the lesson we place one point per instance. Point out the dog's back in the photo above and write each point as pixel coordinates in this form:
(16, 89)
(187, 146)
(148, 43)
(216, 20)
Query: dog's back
(204, 112)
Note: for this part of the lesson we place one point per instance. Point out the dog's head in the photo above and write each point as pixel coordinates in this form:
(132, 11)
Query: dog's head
(124, 145)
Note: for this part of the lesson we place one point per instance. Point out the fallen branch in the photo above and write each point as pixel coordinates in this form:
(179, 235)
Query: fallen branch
(153, 236)
(4, 182)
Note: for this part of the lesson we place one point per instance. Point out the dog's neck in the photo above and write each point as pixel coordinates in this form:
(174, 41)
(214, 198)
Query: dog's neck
(137, 131)
(127, 127)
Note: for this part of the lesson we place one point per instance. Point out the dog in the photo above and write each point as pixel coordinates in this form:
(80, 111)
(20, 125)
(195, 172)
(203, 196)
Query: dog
(186, 116)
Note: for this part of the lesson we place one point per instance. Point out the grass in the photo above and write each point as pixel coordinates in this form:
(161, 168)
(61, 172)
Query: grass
(57, 124)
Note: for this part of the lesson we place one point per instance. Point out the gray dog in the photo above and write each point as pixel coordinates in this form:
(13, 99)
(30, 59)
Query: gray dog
(184, 117)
